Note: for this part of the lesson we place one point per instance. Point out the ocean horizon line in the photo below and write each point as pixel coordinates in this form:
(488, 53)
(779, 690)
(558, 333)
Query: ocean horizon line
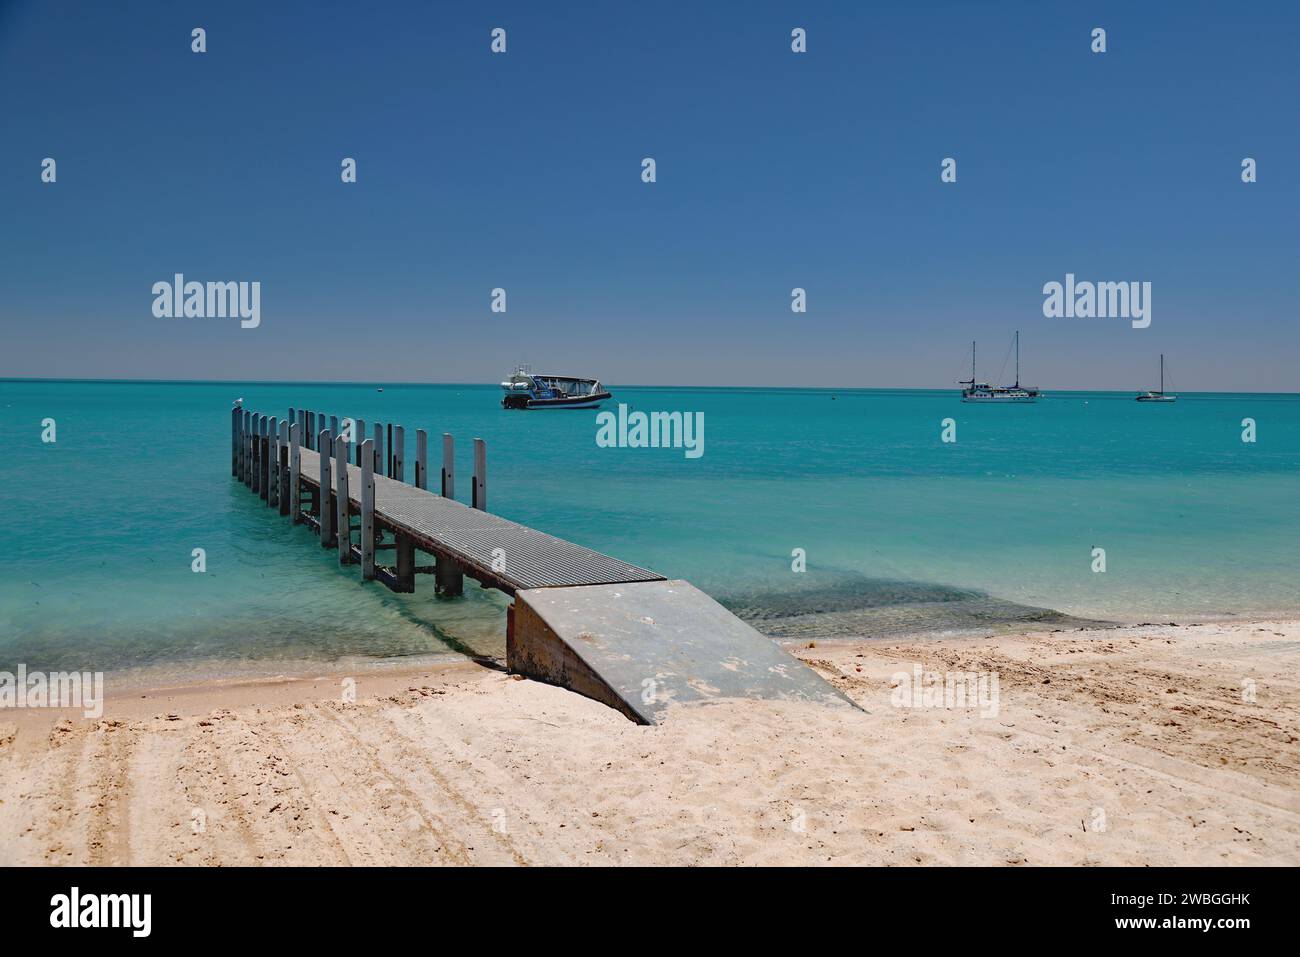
(353, 383)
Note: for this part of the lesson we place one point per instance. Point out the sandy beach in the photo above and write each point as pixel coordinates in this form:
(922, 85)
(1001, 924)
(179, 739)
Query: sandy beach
(1125, 746)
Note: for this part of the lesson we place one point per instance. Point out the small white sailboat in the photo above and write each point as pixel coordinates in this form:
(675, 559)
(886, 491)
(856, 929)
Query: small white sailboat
(1160, 396)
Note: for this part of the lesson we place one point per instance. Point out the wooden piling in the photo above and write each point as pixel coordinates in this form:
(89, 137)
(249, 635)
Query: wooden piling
(367, 450)
(278, 455)
(334, 430)
(323, 442)
(379, 449)
(388, 465)
(399, 453)
(286, 483)
(295, 472)
(479, 498)
(272, 462)
(261, 457)
(246, 455)
(448, 466)
(309, 434)
(358, 437)
(267, 448)
(421, 459)
(250, 426)
(239, 450)
(343, 530)
(236, 439)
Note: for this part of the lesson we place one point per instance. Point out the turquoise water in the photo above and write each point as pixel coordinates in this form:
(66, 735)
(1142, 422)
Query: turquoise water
(901, 531)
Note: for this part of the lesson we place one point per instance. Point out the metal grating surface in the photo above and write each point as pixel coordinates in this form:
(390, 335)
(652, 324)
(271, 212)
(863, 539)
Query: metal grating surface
(533, 559)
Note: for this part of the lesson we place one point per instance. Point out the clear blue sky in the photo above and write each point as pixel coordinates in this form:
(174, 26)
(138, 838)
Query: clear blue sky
(775, 170)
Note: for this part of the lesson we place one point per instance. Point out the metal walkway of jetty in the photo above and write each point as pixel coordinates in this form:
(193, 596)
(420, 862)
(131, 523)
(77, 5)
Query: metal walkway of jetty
(597, 625)
(504, 554)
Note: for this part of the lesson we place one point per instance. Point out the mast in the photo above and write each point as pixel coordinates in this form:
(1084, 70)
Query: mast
(972, 363)
(1017, 358)
(1162, 373)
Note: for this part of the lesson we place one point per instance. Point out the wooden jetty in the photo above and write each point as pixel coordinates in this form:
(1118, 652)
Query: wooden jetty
(586, 621)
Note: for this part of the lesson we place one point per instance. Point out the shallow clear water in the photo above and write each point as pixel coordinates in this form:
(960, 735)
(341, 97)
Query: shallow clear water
(902, 532)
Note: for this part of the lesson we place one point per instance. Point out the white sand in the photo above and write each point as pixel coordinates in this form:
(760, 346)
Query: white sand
(1130, 746)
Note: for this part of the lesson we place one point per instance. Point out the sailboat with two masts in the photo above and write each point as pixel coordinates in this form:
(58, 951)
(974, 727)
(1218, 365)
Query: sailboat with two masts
(1162, 395)
(983, 392)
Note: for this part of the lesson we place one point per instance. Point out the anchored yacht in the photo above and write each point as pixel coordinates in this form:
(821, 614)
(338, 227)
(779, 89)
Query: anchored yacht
(1160, 396)
(983, 392)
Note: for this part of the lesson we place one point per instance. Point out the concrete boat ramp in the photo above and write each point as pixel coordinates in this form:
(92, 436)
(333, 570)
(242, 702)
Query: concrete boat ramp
(588, 622)
(641, 647)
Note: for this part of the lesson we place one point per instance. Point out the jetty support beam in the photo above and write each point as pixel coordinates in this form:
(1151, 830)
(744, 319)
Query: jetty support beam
(448, 577)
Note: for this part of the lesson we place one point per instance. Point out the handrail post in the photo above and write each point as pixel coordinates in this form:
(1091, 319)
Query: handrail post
(448, 466)
(480, 475)
(421, 459)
